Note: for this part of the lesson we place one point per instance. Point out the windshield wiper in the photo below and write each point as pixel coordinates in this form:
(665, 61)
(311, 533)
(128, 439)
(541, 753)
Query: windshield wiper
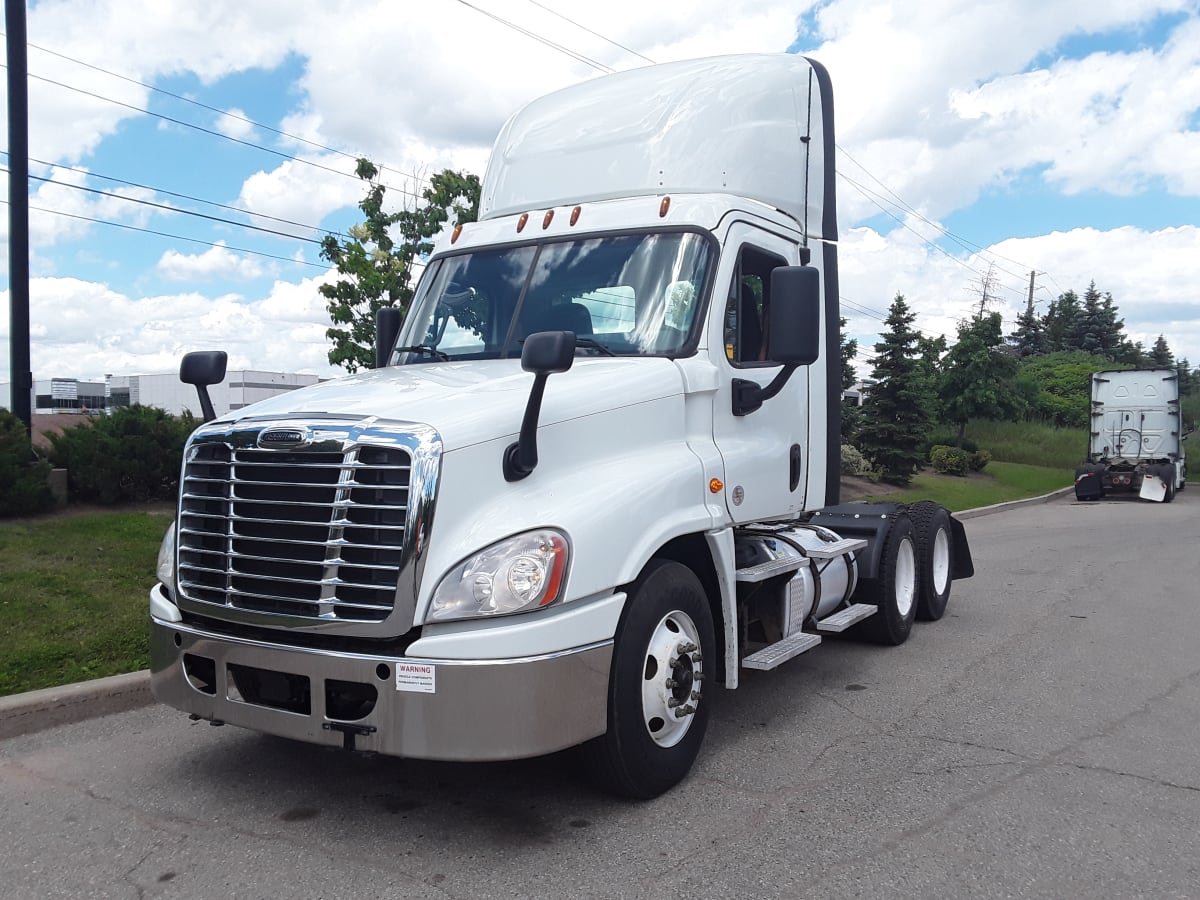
(425, 348)
(592, 344)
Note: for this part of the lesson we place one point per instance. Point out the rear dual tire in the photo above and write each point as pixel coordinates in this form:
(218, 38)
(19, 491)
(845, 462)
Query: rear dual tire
(895, 590)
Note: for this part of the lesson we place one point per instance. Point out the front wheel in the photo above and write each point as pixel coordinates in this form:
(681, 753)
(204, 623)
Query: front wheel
(657, 702)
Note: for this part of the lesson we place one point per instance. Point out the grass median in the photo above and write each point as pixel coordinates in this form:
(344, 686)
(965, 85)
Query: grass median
(74, 596)
(1000, 482)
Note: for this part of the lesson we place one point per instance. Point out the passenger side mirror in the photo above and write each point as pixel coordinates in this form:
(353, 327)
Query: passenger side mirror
(794, 316)
(202, 368)
(387, 325)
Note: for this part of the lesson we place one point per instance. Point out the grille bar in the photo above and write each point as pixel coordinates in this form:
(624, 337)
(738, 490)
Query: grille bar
(302, 532)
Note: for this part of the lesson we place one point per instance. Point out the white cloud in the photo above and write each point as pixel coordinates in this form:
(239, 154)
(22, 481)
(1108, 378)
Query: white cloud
(235, 124)
(216, 262)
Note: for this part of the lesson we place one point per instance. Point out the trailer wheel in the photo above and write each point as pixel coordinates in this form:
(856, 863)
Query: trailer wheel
(935, 553)
(895, 590)
(657, 705)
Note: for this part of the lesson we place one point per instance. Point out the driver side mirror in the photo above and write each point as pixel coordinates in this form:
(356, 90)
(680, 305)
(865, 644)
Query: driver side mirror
(794, 316)
(203, 368)
(387, 325)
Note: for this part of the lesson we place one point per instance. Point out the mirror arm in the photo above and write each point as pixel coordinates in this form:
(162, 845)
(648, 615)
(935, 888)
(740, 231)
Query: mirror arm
(750, 395)
(521, 457)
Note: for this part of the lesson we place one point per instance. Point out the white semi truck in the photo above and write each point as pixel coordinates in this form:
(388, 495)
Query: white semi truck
(593, 475)
(1135, 443)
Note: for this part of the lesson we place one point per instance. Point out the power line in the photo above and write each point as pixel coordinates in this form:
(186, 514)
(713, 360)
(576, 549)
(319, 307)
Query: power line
(157, 190)
(176, 237)
(217, 110)
(173, 209)
(208, 131)
(594, 33)
(578, 57)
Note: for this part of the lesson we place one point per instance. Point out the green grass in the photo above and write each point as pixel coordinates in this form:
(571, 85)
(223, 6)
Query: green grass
(1000, 482)
(1031, 443)
(74, 597)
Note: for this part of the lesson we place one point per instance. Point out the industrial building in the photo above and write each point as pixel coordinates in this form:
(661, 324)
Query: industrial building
(240, 388)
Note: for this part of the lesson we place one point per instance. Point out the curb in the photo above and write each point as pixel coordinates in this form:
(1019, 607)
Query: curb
(38, 710)
(1012, 504)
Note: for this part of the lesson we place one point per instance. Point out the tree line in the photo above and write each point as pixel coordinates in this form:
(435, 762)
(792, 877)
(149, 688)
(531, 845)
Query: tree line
(1041, 371)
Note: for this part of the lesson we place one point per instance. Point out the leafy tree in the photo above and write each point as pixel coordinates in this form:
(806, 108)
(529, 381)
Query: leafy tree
(896, 413)
(24, 488)
(377, 267)
(978, 380)
(1063, 386)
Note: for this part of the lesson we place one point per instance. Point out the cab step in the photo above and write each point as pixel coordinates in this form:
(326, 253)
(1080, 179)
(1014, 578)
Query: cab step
(840, 621)
(771, 568)
(777, 654)
(837, 548)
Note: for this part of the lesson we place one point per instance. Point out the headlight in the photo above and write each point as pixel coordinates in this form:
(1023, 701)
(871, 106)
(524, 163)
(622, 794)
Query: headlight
(166, 561)
(518, 574)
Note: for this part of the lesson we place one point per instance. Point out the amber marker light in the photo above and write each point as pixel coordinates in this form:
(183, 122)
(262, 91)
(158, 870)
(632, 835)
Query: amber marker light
(715, 486)
(457, 232)
(521, 222)
(547, 219)
(664, 207)
(575, 215)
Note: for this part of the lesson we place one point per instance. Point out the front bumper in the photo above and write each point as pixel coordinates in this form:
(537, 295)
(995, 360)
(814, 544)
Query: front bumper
(422, 708)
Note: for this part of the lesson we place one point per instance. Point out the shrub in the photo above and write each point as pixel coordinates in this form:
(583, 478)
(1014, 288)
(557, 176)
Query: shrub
(854, 463)
(133, 453)
(949, 460)
(24, 488)
(978, 460)
(945, 437)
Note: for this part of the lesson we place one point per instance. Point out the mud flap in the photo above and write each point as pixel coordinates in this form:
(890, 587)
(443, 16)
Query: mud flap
(1153, 487)
(961, 564)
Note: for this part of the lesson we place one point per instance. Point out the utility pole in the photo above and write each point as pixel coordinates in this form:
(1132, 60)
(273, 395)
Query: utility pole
(1029, 305)
(18, 212)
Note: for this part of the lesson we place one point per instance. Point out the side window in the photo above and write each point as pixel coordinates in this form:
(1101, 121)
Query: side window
(746, 307)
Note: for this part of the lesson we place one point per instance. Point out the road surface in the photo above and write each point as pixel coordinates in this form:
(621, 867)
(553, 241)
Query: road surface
(1043, 740)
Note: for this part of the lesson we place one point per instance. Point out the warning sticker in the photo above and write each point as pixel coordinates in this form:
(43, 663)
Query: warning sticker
(418, 677)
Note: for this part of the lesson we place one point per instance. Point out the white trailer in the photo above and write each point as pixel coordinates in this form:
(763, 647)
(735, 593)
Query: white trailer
(594, 474)
(1135, 442)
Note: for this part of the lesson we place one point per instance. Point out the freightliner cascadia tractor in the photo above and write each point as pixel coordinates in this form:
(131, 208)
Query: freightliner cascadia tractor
(594, 475)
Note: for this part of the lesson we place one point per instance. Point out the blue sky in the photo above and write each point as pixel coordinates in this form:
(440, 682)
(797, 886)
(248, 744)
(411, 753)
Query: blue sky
(1059, 138)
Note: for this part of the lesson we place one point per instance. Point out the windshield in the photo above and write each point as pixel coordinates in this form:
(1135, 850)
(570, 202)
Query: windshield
(635, 294)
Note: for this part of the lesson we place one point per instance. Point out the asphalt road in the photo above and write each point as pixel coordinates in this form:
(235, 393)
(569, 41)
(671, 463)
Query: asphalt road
(1043, 740)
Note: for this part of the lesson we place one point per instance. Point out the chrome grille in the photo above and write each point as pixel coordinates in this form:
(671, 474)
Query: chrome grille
(309, 533)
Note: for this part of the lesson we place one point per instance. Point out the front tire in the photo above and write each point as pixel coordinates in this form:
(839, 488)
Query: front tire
(657, 702)
(895, 590)
(935, 554)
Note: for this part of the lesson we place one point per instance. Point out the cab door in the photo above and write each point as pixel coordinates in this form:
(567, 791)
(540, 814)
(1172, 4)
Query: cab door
(766, 452)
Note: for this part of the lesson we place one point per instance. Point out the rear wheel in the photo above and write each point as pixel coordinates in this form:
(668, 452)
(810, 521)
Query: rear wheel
(895, 590)
(935, 546)
(1167, 474)
(657, 705)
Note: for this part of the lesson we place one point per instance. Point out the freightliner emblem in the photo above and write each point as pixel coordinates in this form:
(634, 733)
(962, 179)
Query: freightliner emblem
(283, 438)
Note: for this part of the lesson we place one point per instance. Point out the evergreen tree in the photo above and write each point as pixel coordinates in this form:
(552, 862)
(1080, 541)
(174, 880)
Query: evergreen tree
(1059, 322)
(1097, 329)
(851, 412)
(1160, 354)
(979, 380)
(895, 416)
(1029, 337)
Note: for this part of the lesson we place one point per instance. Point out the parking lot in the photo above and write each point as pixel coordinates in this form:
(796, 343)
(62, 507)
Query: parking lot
(1043, 740)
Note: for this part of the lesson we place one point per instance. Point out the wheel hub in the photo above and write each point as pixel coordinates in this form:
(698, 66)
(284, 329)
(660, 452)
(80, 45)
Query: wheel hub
(671, 686)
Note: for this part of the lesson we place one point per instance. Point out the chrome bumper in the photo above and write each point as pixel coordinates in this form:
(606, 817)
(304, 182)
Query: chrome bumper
(422, 708)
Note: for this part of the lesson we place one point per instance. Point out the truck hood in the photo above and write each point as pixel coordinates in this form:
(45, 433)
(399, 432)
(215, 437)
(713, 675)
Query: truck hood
(476, 401)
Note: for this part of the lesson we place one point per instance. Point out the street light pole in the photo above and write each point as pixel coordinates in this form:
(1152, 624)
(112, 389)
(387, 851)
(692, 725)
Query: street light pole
(18, 212)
